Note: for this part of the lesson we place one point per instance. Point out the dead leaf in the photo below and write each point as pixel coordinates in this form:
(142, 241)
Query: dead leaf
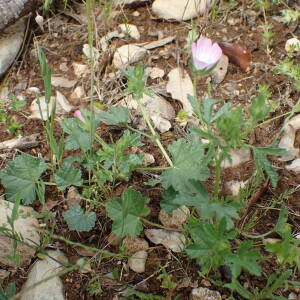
(173, 240)
(180, 86)
(237, 54)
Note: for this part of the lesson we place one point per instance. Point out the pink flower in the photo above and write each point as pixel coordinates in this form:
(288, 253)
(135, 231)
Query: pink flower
(78, 115)
(205, 54)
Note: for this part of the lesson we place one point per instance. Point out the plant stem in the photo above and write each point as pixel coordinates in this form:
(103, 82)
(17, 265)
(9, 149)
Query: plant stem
(218, 177)
(153, 169)
(154, 134)
(158, 225)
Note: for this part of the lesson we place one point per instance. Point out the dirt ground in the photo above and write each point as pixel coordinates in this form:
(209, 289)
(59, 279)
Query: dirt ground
(62, 42)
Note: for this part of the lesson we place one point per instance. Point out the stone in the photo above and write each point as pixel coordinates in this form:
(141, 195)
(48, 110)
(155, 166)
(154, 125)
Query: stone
(288, 139)
(80, 69)
(292, 45)
(238, 156)
(62, 106)
(294, 166)
(128, 2)
(204, 294)
(219, 72)
(176, 219)
(73, 197)
(3, 274)
(155, 72)
(128, 54)
(25, 225)
(134, 244)
(51, 289)
(159, 110)
(91, 52)
(137, 261)
(104, 41)
(78, 93)
(59, 81)
(180, 10)
(131, 30)
(11, 40)
(172, 240)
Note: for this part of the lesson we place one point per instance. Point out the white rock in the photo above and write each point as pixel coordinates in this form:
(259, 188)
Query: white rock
(59, 81)
(22, 142)
(26, 225)
(62, 103)
(204, 294)
(293, 296)
(131, 30)
(179, 86)
(238, 156)
(104, 41)
(51, 289)
(136, 14)
(158, 43)
(3, 274)
(78, 93)
(160, 123)
(159, 110)
(155, 72)
(172, 240)
(180, 10)
(176, 219)
(235, 186)
(288, 139)
(127, 2)
(34, 90)
(294, 166)
(62, 106)
(219, 72)
(63, 67)
(128, 54)
(86, 268)
(137, 261)
(293, 45)
(11, 40)
(91, 52)
(148, 159)
(80, 69)
(73, 196)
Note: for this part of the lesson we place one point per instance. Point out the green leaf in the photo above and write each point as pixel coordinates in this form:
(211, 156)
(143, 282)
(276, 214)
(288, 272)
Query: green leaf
(197, 196)
(68, 175)
(230, 125)
(116, 116)
(211, 243)
(114, 157)
(79, 221)
(10, 291)
(125, 211)
(20, 177)
(218, 211)
(136, 81)
(78, 137)
(188, 160)
(259, 109)
(195, 105)
(245, 258)
(263, 164)
(237, 287)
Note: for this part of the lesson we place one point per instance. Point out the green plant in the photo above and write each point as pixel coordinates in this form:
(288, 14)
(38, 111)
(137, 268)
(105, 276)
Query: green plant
(9, 293)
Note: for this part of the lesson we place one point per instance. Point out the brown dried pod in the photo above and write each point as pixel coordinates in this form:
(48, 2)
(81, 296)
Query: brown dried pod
(237, 54)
